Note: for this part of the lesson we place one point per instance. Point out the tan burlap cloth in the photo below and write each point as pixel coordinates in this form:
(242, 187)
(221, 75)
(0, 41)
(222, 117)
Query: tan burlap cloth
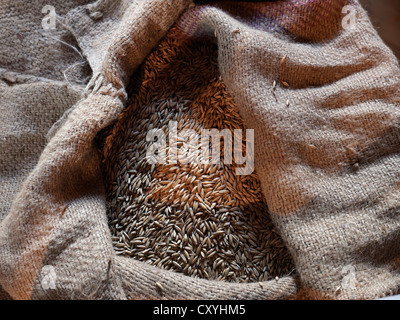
(326, 143)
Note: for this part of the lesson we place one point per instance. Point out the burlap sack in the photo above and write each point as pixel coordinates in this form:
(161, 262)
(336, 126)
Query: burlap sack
(326, 146)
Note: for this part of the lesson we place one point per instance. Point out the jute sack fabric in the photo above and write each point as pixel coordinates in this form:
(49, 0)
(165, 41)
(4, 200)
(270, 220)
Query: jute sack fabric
(32, 66)
(326, 151)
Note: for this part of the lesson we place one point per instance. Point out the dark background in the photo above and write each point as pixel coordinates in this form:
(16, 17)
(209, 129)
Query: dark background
(385, 15)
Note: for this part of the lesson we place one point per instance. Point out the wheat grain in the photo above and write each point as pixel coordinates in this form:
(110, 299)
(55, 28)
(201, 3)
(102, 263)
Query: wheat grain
(201, 220)
(285, 84)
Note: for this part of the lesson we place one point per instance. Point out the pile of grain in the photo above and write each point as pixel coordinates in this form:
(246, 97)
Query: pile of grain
(201, 220)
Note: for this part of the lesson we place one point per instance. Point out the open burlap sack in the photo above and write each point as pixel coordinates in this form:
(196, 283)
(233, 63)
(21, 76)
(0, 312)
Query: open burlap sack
(326, 150)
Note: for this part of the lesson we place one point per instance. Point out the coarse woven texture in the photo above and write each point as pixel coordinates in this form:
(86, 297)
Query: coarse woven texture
(326, 151)
(29, 49)
(23, 128)
(33, 84)
(202, 220)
